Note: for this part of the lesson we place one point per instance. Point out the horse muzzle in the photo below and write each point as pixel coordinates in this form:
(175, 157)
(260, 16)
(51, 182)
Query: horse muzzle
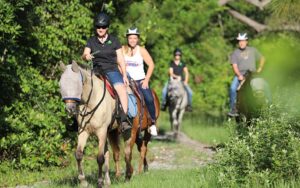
(259, 94)
(71, 107)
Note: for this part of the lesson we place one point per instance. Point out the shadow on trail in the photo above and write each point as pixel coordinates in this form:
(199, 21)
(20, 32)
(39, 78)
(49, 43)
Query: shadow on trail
(91, 179)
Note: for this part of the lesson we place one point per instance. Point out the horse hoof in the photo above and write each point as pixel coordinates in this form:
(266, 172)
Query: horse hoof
(100, 185)
(146, 169)
(127, 179)
(84, 183)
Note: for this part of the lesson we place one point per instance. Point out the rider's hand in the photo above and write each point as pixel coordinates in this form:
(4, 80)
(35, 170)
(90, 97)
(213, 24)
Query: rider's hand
(241, 77)
(145, 83)
(125, 79)
(89, 57)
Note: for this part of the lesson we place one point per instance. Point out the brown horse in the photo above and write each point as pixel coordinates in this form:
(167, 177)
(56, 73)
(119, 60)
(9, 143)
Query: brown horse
(253, 95)
(141, 123)
(94, 115)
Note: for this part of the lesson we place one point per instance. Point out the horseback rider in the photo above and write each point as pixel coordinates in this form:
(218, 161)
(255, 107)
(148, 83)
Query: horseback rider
(135, 56)
(105, 51)
(242, 60)
(178, 69)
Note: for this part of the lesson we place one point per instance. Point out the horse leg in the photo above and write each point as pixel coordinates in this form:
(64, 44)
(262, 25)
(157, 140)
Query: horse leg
(106, 165)
(128, 157)
(82, 138)
(144, 150)
(175, 122)
(114, 142)
(180, 116)
(139, 143)
(171, 120)
(101, 134)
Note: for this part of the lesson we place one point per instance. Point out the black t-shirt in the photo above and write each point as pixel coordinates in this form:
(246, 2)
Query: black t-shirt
(177, 69)
(106, 59)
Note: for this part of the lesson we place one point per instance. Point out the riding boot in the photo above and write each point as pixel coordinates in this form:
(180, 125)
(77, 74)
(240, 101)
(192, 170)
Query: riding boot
(189, 108)
(163, 106)
(125, 125)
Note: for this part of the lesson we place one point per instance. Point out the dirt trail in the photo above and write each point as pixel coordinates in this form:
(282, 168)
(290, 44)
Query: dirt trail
(166, 157)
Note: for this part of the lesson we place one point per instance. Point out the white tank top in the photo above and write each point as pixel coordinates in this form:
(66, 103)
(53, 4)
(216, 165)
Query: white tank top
(135, 65)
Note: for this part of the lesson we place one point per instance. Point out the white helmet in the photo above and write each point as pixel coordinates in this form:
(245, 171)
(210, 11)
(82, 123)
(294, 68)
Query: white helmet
(242, 36)
(132, 31)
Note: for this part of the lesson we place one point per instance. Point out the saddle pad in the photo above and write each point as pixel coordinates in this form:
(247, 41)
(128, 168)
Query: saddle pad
(109, 88)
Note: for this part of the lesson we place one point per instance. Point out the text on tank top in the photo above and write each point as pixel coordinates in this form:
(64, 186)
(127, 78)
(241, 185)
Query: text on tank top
(135, 65)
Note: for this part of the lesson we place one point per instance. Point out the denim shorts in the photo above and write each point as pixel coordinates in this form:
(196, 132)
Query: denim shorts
(115, 77)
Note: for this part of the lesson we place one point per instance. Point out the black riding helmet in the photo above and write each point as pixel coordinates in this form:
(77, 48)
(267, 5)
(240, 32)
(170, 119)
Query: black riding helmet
(177, 51)
(101, 20)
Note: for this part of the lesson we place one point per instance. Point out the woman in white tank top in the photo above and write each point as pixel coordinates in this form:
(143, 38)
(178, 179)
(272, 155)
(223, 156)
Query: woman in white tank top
(135, 56)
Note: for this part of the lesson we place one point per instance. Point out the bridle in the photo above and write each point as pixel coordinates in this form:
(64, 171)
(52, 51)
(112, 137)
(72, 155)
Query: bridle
(84, 112)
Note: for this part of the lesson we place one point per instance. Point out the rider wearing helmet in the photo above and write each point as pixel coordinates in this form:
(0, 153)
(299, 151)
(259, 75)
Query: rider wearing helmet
(105, 51)
(242, 59)
(178, 69)
(135, 56)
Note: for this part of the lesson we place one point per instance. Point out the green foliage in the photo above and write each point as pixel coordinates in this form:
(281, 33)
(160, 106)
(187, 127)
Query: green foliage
(34, 133)
(63, 28)
(267, 152)
(285, 12)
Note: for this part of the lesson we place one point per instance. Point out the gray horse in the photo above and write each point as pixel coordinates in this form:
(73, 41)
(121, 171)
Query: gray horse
(94, 116)
(178, 100)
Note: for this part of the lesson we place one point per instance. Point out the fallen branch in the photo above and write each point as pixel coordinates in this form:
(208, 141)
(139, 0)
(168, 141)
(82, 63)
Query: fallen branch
(252, 23)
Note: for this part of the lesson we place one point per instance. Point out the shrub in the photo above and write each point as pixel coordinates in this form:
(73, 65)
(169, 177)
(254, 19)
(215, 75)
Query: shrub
(269, 150)
(33, 133)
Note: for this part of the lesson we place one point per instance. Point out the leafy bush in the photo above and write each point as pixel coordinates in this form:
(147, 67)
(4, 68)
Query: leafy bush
(33, 133)
(268, 151)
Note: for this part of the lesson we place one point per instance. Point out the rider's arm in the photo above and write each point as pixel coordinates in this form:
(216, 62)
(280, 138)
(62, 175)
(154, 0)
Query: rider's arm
(237, 72)
(171, 73)
(261, 64)
(186, 73)
(121, 63)
(87, 54)
(149, 61)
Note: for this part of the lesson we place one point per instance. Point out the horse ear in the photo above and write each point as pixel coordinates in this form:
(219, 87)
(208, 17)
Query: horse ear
(62, 66)
(75, 66)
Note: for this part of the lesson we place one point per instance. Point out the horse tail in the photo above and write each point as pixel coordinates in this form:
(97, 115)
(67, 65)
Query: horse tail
(156, 103)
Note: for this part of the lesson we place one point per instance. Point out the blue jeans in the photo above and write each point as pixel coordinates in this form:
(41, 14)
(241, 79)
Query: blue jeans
(115, 77)
(149, 100)
(233, 87)
(187, 88)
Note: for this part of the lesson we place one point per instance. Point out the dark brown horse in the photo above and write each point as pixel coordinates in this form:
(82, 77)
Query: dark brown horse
(253, 95)
(140, 124)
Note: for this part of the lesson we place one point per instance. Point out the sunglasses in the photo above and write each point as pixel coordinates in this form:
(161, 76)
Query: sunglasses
(102, 27)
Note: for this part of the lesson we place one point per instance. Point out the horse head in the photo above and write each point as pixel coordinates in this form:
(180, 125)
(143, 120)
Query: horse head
(175, 88)
(71, 86)
(252, 95)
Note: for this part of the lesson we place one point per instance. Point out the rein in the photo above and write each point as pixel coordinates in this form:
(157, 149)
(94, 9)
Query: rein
(84, 112)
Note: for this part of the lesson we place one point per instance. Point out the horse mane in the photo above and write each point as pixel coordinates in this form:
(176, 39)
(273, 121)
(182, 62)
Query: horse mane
(82, 65)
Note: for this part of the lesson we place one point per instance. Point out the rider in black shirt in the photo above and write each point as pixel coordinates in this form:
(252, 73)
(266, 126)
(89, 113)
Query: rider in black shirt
(178, 69)
(105, 51)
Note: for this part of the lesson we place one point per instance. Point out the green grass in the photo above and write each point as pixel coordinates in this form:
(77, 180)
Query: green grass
(67, 176)
(208, 131)
(192, 175)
